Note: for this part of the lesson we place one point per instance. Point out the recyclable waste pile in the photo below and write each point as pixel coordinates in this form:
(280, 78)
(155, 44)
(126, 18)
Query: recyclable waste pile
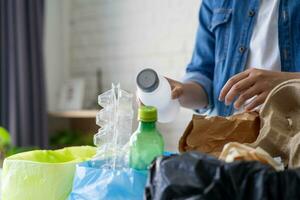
(108, 175)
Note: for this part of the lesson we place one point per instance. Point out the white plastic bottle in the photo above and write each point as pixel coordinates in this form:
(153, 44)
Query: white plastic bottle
(155, 90)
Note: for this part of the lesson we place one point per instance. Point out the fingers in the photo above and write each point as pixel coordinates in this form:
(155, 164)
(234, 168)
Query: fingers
(138, 101)
(252, 84)
(177, 92)
(246, 95)
(238, 88)
(171, 82)
(176, 87)
(232, 81)
(260, 99)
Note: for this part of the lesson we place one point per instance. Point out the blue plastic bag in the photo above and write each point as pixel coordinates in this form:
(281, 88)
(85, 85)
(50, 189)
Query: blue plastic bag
(91, 182)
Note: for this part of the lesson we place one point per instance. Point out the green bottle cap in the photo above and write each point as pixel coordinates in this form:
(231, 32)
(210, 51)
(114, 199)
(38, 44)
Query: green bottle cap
(147, 114)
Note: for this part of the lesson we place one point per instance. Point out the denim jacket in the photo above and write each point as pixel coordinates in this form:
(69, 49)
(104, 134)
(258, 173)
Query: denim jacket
(223, 37)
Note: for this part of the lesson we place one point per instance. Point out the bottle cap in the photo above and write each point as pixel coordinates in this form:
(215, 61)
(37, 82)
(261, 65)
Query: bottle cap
(147, 114)
(147, 80)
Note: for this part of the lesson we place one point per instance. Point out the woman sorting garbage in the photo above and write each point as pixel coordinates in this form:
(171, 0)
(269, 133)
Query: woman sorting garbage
(243, 50)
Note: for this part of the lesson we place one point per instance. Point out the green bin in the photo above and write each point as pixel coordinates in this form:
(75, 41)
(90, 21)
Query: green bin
(42, 174)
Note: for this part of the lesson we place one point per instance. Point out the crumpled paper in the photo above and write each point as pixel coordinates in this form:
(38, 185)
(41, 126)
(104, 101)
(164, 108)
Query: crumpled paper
(234, 151)
(210, 134)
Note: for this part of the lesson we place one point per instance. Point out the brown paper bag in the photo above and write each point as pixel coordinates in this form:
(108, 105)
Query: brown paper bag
(210, 134)
(280, 116)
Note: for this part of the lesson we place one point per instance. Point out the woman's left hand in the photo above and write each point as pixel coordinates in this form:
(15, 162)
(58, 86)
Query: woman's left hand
(252, 83)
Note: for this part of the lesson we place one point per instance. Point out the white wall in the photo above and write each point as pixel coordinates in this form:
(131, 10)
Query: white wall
(121, 37)
(57, 23)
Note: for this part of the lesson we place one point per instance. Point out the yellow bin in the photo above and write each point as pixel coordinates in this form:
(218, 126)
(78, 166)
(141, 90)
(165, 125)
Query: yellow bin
(42, 174)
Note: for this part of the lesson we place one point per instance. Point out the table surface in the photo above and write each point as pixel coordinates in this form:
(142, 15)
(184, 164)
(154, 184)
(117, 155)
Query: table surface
(75, 114)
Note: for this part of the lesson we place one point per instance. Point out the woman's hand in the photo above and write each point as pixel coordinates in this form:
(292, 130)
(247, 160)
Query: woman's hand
(190, 94)
(176, 87)
(252, 83)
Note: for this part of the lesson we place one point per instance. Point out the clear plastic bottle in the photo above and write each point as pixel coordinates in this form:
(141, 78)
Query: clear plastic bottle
(155, 90)
(147, 142)
(115, 119)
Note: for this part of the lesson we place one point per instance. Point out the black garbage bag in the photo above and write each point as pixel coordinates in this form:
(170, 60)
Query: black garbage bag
(198, 176)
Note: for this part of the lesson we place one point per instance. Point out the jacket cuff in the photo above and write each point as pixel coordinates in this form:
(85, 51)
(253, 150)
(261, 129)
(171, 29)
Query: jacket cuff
(206, 84)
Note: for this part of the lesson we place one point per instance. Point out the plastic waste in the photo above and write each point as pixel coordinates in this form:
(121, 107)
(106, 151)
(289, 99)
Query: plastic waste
(42, 174)
(155, 90)
(108, 175)
(93, 182)
(195, 175)
(115, 121)
(146, 143)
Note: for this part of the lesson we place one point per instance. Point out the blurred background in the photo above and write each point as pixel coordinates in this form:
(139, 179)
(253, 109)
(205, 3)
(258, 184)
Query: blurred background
(57, 56)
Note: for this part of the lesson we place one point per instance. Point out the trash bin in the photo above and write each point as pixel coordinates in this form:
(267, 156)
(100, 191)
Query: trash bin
(42, 174)
(195, 175)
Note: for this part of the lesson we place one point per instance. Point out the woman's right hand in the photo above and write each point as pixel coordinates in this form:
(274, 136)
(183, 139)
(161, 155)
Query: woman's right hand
(176, 87)
(189, 94)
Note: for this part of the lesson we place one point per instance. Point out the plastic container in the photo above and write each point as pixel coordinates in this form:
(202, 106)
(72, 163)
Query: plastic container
(42, 174)
(147, 142)
(115, 119)
(94, 181)
(155, 90)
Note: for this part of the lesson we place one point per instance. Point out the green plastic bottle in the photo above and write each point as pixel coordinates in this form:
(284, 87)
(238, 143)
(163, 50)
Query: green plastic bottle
(146, 143)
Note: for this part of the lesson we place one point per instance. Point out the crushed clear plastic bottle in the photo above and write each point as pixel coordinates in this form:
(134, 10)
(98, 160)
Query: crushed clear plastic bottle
(115, 121)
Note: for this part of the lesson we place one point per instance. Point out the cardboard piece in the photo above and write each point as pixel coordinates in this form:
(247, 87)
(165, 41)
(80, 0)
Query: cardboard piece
(280, 123)
(210, 134)
(234, 151)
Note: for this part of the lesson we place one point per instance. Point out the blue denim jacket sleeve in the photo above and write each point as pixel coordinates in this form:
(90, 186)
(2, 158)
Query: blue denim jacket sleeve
(201, 67)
